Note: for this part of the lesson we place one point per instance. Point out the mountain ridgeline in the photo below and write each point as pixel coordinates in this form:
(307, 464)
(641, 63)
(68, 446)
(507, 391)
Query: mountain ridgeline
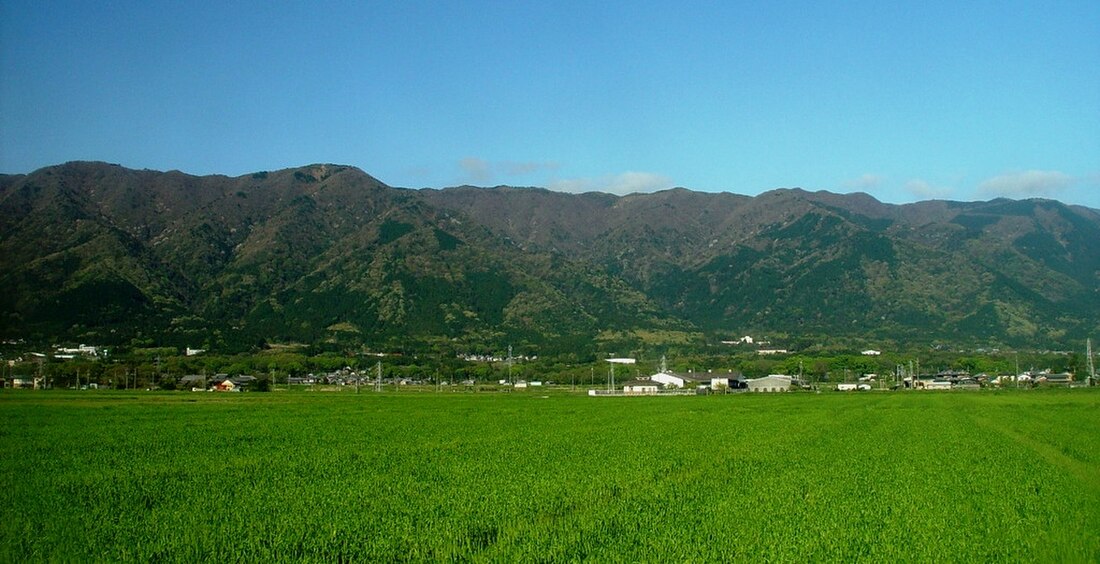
(93, 252)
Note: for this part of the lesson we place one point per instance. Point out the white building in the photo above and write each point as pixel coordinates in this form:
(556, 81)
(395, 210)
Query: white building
(871, 352)
(719, 381)
(670, 379)
(679, 380)
(64, 352)
(641, 388)
(729, 381)
(770, 383)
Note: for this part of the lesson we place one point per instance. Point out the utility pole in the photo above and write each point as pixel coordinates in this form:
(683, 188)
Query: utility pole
(510, 381)
(378, 378)
(1091, 367)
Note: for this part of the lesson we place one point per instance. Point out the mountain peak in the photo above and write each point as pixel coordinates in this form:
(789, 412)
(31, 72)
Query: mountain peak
(95, 251)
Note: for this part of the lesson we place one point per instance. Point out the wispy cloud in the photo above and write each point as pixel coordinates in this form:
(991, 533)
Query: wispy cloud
(528, 167)
(925, 190)
(480, 171)
(626, 183)
(475, 170)
(866, 182)
(1027, 184)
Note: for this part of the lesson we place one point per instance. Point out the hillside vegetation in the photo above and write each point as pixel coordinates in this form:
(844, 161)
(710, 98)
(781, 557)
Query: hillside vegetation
(99, 253)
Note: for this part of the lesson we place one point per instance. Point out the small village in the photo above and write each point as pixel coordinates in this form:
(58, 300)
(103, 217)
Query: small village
(623, 377)
(665, 382)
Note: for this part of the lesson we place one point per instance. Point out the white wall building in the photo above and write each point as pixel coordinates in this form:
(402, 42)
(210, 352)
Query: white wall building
(641, 388)
(679, 380)
(770, 383)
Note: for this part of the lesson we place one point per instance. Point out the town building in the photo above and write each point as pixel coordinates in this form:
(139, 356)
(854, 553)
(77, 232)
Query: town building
(641, 387)
(770, 383)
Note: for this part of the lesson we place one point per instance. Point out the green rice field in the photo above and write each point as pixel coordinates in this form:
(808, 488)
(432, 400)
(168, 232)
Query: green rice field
(550, 477)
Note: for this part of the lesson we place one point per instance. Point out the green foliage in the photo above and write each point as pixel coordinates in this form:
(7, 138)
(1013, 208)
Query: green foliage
(401, 476)
(447, 242)
(96, 253)
(392, 231)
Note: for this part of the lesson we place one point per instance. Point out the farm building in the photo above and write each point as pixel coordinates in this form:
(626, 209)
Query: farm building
(641, 387)
(679, 380)
(667, 378)
(1063, 379)
(729, 382)
(193, 381)
(770, 383)
(967, 384)
(242, 382)
(226, 386)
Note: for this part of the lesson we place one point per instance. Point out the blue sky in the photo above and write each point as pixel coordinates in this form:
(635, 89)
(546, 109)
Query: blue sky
(903, 100)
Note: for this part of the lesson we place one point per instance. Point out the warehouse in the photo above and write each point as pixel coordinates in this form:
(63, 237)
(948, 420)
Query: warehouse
(770, 383)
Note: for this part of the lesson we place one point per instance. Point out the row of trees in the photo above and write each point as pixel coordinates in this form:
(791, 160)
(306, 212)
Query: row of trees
(161, 369)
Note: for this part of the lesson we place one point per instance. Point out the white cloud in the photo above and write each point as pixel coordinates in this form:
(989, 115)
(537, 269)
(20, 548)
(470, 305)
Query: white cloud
(927, 191)
(574, 185)
(626, 183)
(865, 182)
(477, 171)
(1027, 184)
(630, 182)
(529, 167)
(480, 171)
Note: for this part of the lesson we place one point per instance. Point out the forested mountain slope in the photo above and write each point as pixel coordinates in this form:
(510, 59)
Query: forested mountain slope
(326, 253)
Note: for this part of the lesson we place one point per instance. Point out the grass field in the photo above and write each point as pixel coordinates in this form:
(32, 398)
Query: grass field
(550, 477)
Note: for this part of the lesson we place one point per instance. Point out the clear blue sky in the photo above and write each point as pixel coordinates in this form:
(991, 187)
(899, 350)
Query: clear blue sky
(903, 100)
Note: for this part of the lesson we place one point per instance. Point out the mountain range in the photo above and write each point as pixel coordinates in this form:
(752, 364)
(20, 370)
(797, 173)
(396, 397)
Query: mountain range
(94, 252)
